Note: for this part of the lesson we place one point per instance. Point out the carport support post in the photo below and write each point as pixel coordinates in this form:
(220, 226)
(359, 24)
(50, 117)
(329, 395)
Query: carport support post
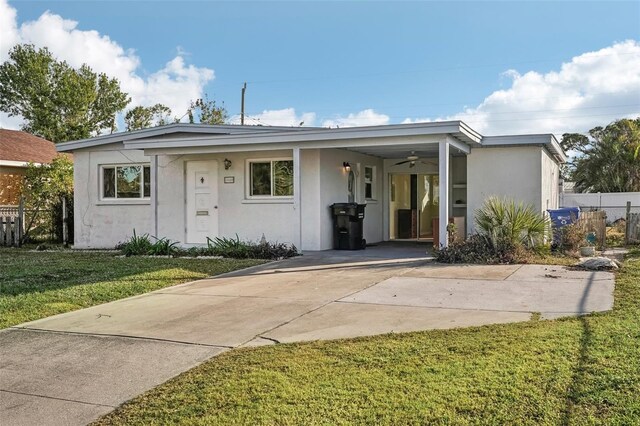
(154, 193)
(297, 196)
(443, 171)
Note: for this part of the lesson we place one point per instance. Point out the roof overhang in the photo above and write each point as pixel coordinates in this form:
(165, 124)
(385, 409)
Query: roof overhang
(328, 138)
(356, 138)
(11, 163)
(181, 138)
(168, 130)
(547, 140)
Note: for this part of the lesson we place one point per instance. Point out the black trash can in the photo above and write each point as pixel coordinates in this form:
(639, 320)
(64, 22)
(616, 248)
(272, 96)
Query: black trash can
(347, 226)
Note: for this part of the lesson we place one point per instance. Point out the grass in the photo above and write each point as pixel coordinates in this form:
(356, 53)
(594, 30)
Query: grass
(549, 259)
(35, 285)
(575, 371)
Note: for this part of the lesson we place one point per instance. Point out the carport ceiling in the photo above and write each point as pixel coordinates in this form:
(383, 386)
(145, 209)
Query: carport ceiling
(423, 150)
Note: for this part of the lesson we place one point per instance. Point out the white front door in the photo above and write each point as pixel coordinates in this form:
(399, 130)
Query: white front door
(202, 201)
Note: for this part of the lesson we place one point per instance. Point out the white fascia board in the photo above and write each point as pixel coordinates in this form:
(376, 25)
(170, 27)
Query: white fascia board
(559, 151)
(11, 163)
(344, 134)
(221, 129)
(470, 133)
(274, 146)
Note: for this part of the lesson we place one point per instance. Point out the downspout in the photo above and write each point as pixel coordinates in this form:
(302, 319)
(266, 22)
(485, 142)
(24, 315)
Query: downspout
(297, 198)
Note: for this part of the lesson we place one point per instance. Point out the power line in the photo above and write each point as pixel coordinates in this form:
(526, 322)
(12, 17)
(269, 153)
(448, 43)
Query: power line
(464, 104)
(450, 68)
(378, 108)
(471, 120)
(545, 118)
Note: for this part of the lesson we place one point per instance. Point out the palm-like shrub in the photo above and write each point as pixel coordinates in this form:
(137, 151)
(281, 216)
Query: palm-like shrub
(505, 220)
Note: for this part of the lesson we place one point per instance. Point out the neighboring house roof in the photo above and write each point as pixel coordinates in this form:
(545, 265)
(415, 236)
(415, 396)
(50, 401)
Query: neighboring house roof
(182, 136)
(18, 148)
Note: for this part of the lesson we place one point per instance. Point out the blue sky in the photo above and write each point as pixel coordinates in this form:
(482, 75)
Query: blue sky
(401, 61)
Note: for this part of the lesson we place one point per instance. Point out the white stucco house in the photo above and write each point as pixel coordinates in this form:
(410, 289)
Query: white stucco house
(187, 182)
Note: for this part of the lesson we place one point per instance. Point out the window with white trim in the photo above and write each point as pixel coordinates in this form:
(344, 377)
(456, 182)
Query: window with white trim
(370, 182)
(125, 182)
(270, 178)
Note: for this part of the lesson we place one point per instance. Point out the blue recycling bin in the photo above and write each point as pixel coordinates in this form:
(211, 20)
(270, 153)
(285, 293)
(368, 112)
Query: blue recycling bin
(562, 217)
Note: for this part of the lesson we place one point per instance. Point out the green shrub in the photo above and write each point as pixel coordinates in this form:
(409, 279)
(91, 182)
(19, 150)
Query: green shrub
(163, 247)
(571, 237)
(142, 245)
(228, 247)
(508, 232)
(267, 250)
(502, 220)
(479, 249)
(136, 245)
(235, 248)
(220, 246)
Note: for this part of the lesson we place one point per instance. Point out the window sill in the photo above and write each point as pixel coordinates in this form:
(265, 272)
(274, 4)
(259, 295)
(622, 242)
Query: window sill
(123, 202)
(267, 201)
(371, 201)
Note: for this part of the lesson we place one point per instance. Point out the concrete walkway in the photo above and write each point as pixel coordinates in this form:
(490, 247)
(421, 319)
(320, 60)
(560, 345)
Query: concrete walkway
(74, 367)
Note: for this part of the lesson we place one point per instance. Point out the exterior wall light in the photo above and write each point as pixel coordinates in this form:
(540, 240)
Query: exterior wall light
(227, 164)
(347, 166)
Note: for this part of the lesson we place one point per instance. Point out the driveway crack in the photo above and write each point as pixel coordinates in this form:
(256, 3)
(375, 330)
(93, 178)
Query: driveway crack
(58, 399)
(306, 313)
(121, 336)
(509, 276)
(270, 339)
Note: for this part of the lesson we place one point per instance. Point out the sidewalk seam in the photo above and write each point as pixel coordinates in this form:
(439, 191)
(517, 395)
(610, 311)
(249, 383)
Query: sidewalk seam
(453, 309)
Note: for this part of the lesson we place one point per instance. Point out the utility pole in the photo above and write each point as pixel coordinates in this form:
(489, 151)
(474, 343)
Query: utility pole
(244, 89)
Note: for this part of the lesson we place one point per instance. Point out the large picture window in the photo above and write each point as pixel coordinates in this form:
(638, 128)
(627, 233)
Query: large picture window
(131, 181)
(270, 178)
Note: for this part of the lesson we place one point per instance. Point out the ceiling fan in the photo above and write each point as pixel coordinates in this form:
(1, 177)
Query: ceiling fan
(412, 159)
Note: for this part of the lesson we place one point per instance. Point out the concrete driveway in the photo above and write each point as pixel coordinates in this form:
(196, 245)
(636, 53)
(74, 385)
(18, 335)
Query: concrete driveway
(74, 367)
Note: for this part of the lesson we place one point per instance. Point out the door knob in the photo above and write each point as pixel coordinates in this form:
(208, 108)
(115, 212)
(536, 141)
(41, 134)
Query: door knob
(215, 207)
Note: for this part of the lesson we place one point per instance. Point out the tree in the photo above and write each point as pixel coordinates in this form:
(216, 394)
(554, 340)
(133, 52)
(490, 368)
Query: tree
(142, 117)
(43, 187)
(56, 101)
(207, 112)
(608, 159)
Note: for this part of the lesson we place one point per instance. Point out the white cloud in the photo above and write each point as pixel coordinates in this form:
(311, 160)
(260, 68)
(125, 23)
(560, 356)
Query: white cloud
(11, 123)
(592, 89)
(367, 117)
(8, 29)
(175, 85)
(289, 117)
(278, 117)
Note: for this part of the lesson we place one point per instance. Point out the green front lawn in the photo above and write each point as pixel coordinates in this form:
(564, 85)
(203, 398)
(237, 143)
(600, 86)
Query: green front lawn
(35, 285)
(575, 371)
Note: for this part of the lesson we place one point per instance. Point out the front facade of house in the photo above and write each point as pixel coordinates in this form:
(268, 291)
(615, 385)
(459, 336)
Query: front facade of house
(189, 182)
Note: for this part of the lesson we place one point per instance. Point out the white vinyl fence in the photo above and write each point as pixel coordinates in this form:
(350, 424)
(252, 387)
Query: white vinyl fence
(613, 203)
